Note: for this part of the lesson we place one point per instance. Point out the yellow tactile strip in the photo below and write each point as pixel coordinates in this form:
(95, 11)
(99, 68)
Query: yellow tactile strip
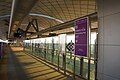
(36, 70)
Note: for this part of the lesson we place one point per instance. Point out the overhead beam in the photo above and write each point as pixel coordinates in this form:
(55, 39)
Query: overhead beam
(65, 25)
(29, 24)
(34, 27)
(20, 9)
(72, 32)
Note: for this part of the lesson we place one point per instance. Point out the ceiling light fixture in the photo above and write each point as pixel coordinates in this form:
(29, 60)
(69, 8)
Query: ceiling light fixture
(46, 16)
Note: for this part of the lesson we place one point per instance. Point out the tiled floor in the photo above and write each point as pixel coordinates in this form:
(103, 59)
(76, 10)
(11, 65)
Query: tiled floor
(20, 66)
(3, 68)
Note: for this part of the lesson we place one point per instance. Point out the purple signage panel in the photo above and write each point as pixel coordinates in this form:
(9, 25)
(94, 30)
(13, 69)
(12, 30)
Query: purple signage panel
(81, 37)
(0, 50)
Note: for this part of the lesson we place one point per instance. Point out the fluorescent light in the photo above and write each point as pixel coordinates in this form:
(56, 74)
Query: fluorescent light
(4, 16)
(46, 16)
(6, 41)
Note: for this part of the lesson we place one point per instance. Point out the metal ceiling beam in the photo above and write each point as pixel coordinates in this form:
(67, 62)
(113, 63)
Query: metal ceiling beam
(20, 9)
(72, 32)
(34, 27)
(65, 25)
(31, 24)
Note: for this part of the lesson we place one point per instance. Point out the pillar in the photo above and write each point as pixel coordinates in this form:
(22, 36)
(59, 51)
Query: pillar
(108, 39)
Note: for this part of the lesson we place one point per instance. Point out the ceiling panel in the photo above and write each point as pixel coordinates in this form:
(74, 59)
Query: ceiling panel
(5, 10)
(64, 10)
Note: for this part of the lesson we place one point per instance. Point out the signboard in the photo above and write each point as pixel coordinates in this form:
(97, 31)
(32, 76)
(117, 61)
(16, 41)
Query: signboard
(81, 37)
(70, 46)
(0, 50)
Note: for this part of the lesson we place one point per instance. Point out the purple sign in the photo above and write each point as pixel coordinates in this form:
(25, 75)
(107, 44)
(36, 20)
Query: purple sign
(81, 37)
(0, 50)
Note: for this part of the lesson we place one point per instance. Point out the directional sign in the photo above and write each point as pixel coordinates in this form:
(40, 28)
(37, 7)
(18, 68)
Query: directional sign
(70, 46)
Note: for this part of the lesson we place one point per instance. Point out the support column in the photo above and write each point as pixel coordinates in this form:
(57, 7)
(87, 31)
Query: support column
(108, 40)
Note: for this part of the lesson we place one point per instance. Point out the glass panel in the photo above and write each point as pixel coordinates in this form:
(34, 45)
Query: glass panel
(48, 55)
(93, 42)
(55, 59)
(92, 70)
(61, 60)
(85, 68)
(69, 61)
(40, 51)
(77, 66)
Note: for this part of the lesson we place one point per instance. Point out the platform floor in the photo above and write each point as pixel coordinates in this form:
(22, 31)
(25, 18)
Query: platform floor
(17, 65)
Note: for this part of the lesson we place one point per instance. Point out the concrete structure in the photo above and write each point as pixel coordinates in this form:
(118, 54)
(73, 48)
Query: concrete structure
(109, 39)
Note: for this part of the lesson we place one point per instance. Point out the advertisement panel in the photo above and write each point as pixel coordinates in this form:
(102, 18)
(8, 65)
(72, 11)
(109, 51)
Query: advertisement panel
(81, 37)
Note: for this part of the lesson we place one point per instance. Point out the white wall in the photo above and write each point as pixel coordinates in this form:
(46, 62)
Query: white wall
(109, 39)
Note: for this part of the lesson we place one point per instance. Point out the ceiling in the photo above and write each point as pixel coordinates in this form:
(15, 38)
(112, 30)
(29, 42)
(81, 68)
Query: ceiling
(48, 13)
(5, 10)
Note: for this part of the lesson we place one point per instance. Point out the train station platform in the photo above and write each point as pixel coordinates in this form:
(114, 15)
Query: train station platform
(18, 65)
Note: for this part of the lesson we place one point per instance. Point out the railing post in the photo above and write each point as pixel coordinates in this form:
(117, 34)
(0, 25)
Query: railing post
(74, 67)
(89, 68)
(64, 63)
(96, 57)
(81, 66)
(58, 60)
